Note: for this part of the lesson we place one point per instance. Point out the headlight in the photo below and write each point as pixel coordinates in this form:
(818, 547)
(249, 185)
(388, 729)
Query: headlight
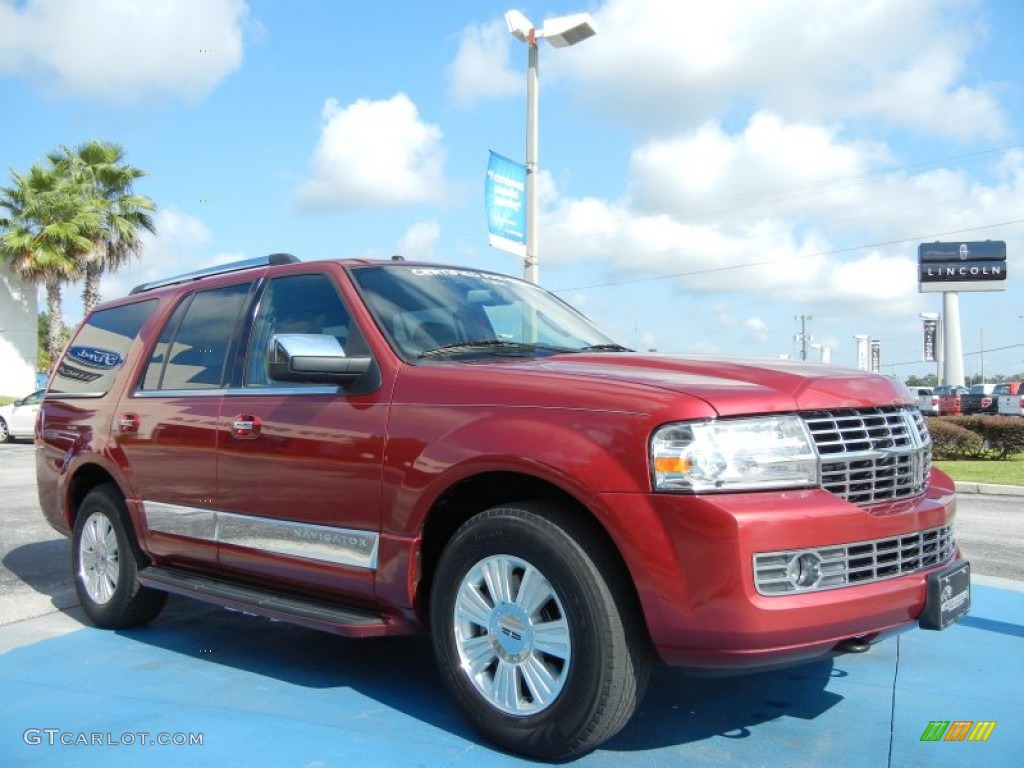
(733, 455)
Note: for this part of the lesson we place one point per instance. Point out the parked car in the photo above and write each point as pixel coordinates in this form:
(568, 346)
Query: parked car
(949, 399)
(387, 447)
(927, 400)
(1009, 398)
(18, 419)
(979, 399)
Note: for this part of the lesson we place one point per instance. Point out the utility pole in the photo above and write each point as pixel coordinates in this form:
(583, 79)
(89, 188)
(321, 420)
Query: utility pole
(804, 337)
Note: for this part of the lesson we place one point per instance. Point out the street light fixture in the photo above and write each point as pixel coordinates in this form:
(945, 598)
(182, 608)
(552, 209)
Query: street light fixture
(561, 32)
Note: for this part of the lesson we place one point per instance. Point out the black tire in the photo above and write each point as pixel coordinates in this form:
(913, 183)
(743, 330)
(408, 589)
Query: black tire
(5, 433)
(594, 655)
(105, 559)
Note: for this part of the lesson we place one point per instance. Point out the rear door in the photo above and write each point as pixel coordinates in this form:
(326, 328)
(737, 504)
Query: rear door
(167, 425)
(299, 467)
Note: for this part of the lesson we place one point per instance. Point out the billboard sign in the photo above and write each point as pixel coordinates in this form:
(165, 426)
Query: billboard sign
(952, 267)
(505, 199)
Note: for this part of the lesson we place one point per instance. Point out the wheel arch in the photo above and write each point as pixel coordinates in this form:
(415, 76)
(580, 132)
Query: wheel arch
(477, 493)
(86, 478)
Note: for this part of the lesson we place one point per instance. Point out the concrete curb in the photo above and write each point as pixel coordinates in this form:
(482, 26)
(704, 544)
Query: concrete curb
(990, 489)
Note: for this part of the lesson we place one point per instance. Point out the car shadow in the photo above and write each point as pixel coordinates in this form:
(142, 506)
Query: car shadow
(44, 566)
(399, 672)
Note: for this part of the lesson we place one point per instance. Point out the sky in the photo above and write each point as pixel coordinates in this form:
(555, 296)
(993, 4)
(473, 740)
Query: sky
(713, 176)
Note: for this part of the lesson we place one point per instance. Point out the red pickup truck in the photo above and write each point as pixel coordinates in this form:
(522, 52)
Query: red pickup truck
(950, 399)
(387, 447)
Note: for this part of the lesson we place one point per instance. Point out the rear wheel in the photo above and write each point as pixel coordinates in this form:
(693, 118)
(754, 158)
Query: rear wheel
(105, 559)
(537, 635)
(5, 433)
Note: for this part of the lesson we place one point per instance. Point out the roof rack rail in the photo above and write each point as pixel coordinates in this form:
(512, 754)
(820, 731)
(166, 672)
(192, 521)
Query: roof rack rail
(260, 261)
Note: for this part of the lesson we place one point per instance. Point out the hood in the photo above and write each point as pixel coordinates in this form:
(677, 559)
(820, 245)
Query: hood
(735, 386)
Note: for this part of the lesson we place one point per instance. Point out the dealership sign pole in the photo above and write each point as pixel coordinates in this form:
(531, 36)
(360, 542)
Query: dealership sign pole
(953, 267)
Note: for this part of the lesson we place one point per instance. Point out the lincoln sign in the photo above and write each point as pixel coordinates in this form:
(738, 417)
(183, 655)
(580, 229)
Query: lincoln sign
(950, 267)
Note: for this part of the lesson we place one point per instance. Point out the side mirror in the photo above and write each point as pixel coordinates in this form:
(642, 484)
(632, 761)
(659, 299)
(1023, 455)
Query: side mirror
(312, 358)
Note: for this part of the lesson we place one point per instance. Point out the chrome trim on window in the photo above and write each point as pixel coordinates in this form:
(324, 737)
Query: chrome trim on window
(847, 565)
(236, 391)
(147, 393)
(272, 389)
(309, 541)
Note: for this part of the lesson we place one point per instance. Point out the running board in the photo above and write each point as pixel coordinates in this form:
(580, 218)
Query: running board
(308, 612)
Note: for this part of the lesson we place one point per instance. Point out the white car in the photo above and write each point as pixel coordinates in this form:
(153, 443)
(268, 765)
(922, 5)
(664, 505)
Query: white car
(19, 418)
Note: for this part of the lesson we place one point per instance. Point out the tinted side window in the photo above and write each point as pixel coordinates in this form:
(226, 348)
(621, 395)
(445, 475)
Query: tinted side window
(99, 349)
(193, 346)
(299, 304)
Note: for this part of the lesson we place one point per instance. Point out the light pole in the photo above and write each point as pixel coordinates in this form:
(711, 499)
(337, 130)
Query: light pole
(561, 32)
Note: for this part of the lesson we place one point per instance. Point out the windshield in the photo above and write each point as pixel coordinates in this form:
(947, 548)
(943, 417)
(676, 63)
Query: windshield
(445, 312)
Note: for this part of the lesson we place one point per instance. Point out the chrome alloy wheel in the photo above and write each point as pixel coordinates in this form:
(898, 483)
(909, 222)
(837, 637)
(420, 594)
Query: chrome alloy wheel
(512, 635)
(98, 558)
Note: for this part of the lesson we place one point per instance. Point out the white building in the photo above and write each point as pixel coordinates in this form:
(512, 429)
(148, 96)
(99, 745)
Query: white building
(19, 313)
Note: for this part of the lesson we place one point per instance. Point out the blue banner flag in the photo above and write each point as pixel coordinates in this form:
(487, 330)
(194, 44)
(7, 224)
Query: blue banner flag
(505, 199)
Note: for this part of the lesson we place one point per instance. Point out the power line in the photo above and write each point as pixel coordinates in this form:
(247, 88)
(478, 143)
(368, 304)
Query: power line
(833, 252)
(769, 195)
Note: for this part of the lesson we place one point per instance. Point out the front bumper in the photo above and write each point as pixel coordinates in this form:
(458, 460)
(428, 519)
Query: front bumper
(692, 560)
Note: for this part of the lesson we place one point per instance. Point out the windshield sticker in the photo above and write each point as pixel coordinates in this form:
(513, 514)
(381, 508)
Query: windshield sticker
(104, 359)
(447, 272)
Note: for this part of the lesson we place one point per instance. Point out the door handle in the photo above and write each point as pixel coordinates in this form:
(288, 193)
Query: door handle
(128, 422)
(246, 426)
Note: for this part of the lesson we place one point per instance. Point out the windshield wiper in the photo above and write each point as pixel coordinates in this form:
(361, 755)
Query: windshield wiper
(605, 348)
(494, 345)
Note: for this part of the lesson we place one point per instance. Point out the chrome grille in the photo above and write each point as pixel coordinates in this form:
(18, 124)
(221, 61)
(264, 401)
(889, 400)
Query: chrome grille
(842, 565)
(872, 455)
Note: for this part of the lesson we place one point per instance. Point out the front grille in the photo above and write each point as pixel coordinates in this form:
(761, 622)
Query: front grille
(872, 455)
(842, 565)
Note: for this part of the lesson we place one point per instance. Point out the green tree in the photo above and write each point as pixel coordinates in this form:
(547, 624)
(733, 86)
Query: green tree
(100, 170)
(43, 359)
(47, 228)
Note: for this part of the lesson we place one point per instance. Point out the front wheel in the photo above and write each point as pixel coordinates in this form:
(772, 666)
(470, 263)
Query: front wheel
(5, 433)
(536, 632)
(105, 559)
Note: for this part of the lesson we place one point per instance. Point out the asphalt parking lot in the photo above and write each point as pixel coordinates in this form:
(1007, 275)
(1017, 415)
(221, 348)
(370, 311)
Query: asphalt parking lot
(258, 692)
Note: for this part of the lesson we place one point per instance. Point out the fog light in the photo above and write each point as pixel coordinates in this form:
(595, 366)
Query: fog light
(804, 570)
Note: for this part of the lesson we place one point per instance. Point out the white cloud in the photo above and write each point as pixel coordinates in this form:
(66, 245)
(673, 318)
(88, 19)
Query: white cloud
(122, 50)
(481, 67)
(772, 212)
(757, 328)
(374, 154)
(419, 240)
(662, 65)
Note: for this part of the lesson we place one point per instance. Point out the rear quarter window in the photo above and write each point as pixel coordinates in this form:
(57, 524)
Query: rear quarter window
(99, 349)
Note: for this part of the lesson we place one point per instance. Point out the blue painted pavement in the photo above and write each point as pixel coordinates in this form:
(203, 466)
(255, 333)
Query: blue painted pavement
(262, 693)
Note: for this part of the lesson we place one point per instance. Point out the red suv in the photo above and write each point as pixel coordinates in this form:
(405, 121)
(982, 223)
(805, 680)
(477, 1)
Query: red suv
(378, 448)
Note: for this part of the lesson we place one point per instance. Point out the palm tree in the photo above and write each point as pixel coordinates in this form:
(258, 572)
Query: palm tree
(46, 229)
(99, 168)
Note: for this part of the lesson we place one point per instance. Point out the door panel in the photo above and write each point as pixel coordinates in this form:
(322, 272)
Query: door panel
(167, 428)
(299, 467)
